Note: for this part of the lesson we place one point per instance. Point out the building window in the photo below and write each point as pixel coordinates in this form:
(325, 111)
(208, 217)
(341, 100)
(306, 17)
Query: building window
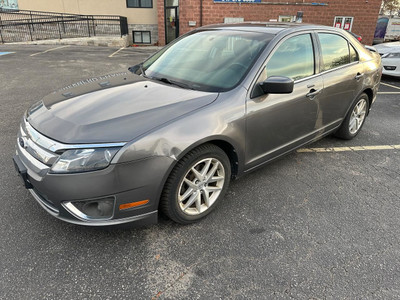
(139, 3)
(171, 3)
(345, 23)
(287, 18)
(141, 37)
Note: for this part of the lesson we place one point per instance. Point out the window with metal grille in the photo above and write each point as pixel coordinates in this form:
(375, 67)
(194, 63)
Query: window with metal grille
(141, 37)
(345, 23)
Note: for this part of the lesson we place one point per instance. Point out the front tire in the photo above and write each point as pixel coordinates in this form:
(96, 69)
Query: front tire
(355, 119)
(198, 181)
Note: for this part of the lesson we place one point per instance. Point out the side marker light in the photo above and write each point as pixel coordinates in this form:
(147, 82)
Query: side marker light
(133, 204)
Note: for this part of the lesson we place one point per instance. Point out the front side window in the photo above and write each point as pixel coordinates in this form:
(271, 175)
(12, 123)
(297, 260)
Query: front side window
(139, 3)
(294, 58)
(335, 50)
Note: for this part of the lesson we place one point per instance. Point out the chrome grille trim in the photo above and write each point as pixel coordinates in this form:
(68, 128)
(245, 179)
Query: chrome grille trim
(45, 157)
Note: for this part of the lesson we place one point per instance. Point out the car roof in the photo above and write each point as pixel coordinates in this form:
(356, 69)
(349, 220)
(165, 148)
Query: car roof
(268, 27)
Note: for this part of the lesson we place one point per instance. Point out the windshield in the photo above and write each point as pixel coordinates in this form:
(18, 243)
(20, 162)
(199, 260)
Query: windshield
(212, 61)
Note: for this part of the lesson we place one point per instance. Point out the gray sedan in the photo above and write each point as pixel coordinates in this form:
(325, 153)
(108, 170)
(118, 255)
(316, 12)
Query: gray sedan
(169, 134)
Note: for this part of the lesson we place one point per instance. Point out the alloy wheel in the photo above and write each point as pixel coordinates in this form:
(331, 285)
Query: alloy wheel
(201, 186)
(358, 116)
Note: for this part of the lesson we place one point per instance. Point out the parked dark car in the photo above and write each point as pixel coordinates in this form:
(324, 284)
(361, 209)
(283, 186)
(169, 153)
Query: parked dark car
(358, 37)
(211, 106)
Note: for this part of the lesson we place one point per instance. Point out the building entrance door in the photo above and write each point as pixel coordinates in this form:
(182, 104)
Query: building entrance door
(171, 20)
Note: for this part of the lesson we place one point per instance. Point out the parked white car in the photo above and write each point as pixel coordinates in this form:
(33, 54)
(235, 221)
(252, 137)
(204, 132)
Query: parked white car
(390, 53)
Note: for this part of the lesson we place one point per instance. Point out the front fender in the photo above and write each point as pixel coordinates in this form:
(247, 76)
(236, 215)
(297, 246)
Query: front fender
(222, 120)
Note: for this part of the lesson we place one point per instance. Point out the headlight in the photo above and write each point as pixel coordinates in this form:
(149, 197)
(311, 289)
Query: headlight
(391, 55)
(83, 160)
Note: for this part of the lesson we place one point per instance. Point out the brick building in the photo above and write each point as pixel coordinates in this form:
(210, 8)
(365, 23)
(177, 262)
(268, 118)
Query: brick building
(176, 17)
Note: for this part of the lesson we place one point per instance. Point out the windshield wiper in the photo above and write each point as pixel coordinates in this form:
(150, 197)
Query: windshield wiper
(173, 82)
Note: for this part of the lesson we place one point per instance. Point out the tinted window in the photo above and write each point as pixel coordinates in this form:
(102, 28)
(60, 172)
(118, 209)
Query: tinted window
(353, 54)
(294, 58)
(335, 50)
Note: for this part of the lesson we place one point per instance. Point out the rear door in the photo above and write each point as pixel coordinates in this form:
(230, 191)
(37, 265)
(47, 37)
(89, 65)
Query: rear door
(343, 77)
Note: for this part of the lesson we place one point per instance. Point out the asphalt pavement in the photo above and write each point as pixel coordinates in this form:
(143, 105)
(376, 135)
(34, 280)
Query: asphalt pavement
(321, 223)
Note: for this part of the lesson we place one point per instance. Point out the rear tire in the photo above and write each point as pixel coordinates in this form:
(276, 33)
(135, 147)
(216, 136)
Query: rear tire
(196, 184)
(355, 119)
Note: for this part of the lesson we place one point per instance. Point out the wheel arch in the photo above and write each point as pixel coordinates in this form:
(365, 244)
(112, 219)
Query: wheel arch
(231, 153)
(167, 188)
(230, 150)
(370, 95)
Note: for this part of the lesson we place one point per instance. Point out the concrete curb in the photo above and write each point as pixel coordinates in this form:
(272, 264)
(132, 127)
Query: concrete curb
(104, 41)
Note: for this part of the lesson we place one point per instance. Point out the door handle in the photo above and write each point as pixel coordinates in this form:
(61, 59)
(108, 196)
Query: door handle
(358, 76)
(313, 93)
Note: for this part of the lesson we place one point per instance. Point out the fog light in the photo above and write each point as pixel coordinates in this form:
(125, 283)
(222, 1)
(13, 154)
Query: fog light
(98, 209)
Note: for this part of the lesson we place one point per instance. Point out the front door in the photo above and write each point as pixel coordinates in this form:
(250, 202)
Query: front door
(171, 22)
(277, 123)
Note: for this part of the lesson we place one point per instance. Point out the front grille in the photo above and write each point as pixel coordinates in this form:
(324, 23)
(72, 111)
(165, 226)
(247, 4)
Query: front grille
(390, 68)
(28, 139)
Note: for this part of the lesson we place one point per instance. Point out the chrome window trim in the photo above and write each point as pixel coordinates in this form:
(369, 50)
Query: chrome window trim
(340, 67)
(55, 146)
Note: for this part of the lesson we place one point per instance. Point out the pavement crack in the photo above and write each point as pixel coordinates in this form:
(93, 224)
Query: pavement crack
(174, 282)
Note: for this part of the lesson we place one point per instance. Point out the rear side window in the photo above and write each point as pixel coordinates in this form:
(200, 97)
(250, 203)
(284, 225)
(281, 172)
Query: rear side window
(294, 58)
(336, 51)
(353, 54)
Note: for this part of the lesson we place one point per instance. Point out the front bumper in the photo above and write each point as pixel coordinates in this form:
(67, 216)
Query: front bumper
(391, 67)
(395, 72)
(125, 183)
(143, 219)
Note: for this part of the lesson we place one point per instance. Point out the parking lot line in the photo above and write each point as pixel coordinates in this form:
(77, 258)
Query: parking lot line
(116, 52)
(5, 53)
(355, 148)
(392, 86)
(388, 93)
(48, 50)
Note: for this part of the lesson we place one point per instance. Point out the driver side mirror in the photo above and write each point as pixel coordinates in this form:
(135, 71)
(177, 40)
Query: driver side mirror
(274, 85)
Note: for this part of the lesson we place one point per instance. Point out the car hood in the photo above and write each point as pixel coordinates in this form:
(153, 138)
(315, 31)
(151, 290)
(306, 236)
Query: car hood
(112, 108)
(388, 47)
